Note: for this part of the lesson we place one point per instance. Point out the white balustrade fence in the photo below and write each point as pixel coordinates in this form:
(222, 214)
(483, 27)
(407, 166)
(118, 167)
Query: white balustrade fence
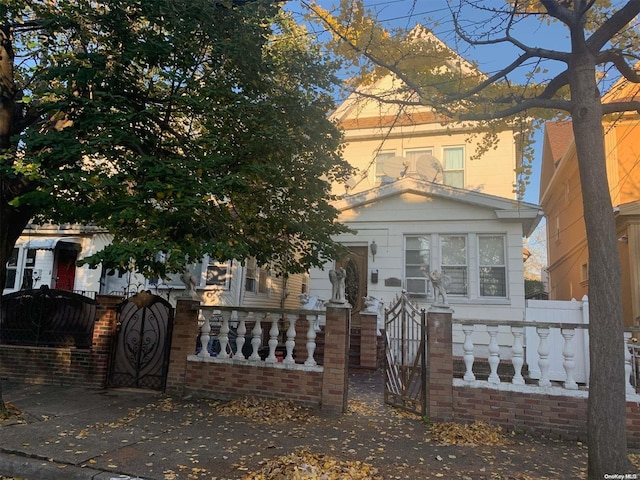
(249, 334)
(565, 348)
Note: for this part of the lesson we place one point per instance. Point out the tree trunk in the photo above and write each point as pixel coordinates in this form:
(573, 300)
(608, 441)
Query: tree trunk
(606, 412)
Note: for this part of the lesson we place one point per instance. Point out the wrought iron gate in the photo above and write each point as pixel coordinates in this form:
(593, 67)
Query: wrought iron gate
(405, 356)
(140, 355)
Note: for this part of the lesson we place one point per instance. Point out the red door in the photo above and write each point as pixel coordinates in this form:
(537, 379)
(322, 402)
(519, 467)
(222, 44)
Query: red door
(65, 269)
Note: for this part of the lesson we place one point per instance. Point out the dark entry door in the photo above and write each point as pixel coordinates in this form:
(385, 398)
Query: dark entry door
(355, 264)
(140, 356)
(65, 269)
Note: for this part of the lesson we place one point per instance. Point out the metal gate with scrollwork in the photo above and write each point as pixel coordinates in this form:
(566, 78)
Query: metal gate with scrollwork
(405, 356)
(140, 354)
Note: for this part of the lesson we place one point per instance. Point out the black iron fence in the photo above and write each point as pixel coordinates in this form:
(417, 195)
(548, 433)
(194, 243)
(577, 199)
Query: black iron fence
(47, 318)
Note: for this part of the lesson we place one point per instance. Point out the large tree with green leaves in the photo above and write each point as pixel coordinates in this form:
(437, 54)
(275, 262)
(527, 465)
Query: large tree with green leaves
(602, 45)
(188, 127)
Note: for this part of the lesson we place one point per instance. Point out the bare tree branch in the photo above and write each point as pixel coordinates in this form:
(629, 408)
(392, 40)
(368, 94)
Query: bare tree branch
(617, 58)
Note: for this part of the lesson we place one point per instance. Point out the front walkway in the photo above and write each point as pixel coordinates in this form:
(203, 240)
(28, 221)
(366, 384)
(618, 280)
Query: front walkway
(69, 433)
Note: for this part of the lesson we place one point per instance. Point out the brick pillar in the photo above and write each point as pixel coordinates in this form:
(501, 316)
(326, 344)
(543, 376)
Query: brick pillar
(104, 330)
(368, 340)
(183, 344)
(439, 365)
(335, 378)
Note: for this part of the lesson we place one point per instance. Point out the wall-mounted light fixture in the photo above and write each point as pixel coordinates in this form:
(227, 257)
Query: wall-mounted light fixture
(374, 249)
(624, 239)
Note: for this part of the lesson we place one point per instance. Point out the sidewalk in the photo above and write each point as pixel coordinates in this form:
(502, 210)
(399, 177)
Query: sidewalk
(76, 433)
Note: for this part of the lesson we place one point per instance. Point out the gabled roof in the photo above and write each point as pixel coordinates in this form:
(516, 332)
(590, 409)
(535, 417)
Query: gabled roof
(349, 113)
(527, 214)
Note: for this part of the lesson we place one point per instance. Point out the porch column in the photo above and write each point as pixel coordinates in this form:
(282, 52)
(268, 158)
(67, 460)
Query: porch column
(439, 364)
(183, 344)
(368, 340)
(335, 378)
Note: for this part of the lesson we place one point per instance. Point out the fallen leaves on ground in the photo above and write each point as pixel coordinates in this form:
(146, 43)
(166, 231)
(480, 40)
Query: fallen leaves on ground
(12, 411)
(476, 433)
(303, 465)
(269, 411)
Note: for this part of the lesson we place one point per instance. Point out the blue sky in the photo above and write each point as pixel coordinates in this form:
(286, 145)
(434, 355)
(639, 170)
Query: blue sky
(436, 15)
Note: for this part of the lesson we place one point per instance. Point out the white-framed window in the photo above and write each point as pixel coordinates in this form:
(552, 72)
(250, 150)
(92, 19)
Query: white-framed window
(257, 279)
(12, 270)
(492, 265)
(417, 264)
(453, 166)
(27, 272)
(584, 272)
(381, 157)
(209, 274)
(453, 255)
(414, 154)
(217, 274)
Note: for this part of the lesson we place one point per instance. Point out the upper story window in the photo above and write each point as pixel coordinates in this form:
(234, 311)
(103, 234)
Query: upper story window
(381, 157)
(453, 166)
(453, 254)
(492, 264)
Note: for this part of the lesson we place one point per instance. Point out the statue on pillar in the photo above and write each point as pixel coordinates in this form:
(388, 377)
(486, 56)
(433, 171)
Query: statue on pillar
(337, 278)
(190, 283)
(439, 282)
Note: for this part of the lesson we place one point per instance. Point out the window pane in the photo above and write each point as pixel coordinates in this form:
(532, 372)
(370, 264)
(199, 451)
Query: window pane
(10, 281)
(415, 154)
(217, 274)
(454, 251)
(457, 280)
(491, 250)
(454, 158)
(380, 160)
(454, 179)
(493, 282)
(13, 259)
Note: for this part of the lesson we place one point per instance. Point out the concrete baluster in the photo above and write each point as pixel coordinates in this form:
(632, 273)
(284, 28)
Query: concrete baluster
(273, 340)
(256, 340)
(543, 354)
(568, 353)
(205, 330)
(223, 337)
(241, 330)
(494, 354)
(311, 340)
(518, 355)
(291, 339)
(468, 353)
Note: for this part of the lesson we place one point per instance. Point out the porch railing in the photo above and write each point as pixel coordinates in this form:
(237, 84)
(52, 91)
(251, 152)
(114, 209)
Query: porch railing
(259, 335)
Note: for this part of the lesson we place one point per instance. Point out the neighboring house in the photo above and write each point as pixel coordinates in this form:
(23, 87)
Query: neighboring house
(561, 199)
(46, 256)
(423, 202)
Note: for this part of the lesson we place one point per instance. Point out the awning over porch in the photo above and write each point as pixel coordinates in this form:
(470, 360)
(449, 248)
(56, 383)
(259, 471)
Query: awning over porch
(51, 243)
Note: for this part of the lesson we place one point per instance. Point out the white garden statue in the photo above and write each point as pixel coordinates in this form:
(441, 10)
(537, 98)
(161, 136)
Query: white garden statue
(439, 282)
(337, 278)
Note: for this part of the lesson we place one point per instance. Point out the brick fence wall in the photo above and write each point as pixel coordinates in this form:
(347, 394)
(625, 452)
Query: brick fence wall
(65, 365)
(538, 412)
(325, 387)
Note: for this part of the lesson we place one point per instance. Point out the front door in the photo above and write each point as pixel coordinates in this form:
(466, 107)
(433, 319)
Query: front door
(355, 264)
(65, 269)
